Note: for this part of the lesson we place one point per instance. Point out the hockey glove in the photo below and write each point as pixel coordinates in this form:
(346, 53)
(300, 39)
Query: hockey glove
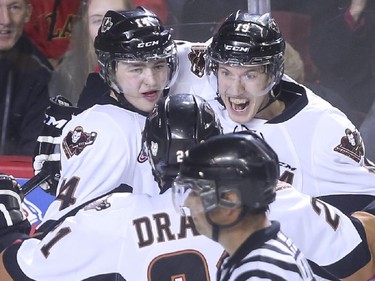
(47, 152)
(12, 218)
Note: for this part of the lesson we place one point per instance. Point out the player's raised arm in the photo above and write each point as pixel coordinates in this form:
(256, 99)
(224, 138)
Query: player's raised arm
(46, 158)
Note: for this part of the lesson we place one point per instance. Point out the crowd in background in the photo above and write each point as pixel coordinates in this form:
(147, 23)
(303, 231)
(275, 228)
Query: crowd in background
(77, 49)
(332, 39)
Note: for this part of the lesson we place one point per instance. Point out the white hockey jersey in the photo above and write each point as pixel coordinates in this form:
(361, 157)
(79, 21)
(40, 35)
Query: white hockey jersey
(143, 238)
(320, 150)
(133, 236)
(105, 126)
(191, 78)
(322, 232)
(129, 232)
(89, 140)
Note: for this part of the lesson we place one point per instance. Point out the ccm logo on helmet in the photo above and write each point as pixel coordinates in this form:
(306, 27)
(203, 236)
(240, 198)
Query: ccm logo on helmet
(236, 48)
(148, 44)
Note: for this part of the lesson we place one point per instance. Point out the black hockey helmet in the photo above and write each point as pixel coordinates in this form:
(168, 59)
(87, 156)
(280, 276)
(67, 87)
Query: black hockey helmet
(133, 35)
(177, 123)
(246, 39)
(238, 162)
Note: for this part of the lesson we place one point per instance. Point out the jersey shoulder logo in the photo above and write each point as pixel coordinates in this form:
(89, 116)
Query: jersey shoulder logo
(99, 205)
(196, 58)
(77, 140)
(351, 145)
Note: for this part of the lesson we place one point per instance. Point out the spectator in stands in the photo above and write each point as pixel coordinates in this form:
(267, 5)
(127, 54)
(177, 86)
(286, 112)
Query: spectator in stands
(24, 77)
(69, 79)
(293, 64)
(343, 49)
(50, 26)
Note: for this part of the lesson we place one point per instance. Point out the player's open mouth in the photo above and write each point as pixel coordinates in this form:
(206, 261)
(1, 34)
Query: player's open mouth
(238, 104)
(151, 95)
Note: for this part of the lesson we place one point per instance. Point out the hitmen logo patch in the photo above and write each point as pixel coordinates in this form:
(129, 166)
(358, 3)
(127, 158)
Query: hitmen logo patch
(107, 24)
(100, 204)
(351, 145)
(196, 57)
(76, 141)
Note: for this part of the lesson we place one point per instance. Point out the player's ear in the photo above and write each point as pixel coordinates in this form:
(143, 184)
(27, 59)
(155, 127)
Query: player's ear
(230, 198)
(28, 12)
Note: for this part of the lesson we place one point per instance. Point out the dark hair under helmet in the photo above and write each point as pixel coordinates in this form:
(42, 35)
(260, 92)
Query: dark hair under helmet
(246, 39)
(176, 124)
(133, 35)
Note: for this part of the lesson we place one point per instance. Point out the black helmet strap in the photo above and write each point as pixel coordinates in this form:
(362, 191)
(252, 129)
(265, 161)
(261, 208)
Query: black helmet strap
(216, 227)
(127, 105)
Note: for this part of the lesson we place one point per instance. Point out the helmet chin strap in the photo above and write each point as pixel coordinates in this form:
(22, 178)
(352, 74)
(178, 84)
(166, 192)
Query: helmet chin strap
(127, 105)
(215, 232)
(219, 99)
(271, 99)
(216, 227)
(273, 94)
(165, 185)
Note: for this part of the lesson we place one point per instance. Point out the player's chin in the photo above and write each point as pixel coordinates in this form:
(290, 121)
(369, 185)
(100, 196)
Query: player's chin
(152, 96)
(148, 106)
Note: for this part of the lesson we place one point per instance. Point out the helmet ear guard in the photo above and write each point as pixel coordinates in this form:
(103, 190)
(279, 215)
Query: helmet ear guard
(107, 70)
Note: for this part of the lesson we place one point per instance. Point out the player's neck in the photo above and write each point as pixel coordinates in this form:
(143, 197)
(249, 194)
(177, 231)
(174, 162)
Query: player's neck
(271, 111)
(232, 238)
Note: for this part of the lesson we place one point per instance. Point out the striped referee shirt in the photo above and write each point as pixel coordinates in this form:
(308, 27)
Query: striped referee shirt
(266, 255)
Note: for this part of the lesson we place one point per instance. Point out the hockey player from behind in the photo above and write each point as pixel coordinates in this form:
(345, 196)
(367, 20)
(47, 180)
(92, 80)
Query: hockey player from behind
(137, 59)
(245, 63)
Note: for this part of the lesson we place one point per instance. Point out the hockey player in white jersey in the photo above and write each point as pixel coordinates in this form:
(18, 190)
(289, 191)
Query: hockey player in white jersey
(125, 236)
(137, 59)
(149, 227)
(245, 61)
(236, 174)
